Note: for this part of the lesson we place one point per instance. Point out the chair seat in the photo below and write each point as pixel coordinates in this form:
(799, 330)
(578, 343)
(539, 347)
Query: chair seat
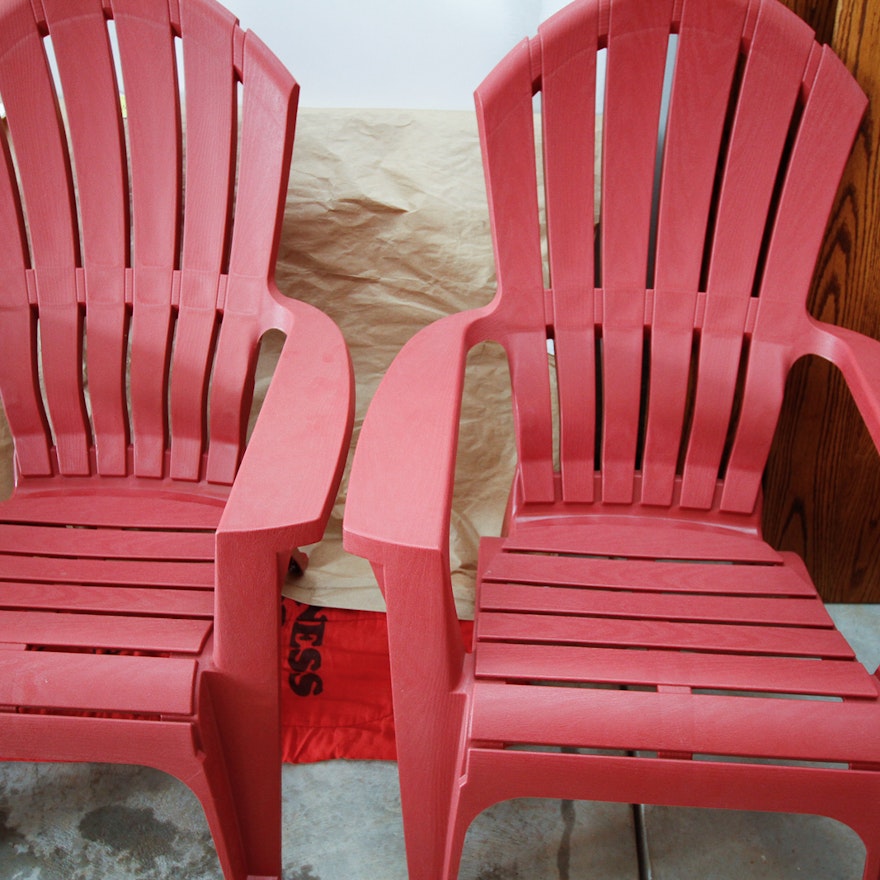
(661, 654)
(103, 619)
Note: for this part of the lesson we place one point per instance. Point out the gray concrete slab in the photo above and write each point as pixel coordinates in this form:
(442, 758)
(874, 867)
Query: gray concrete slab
(687, 844)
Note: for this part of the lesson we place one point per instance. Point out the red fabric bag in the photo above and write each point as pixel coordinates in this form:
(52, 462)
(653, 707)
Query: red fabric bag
(336, 684)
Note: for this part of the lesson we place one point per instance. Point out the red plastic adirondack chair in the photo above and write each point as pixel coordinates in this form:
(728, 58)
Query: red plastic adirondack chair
(631, 602)
(142, 550)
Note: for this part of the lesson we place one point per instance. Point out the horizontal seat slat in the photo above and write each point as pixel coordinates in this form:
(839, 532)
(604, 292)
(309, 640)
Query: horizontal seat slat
(164, 601)
(97, 682)
(779, 612)
(137, 572)
(774, 580)
(105, 543)
(656, 541)
(616, 666)
(705, 724)
(723, 638)
(104, 631)
(132, 509)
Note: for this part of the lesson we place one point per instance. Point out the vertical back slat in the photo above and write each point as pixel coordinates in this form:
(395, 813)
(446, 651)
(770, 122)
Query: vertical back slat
(828, 126)
(211, 119)
(709, 41)
(269, 97)
(146, 44)
(569, 43)
(269, 108)
(777, 58)
(506, 120)
(19, 379)
(78, 28)
(638, 40)
(40, 143)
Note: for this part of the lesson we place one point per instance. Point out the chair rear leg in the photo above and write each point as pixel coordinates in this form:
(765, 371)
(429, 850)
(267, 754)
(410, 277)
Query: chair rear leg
(428, 769)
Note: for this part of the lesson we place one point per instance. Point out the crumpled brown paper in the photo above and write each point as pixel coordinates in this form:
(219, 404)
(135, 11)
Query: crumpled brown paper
(387, 230)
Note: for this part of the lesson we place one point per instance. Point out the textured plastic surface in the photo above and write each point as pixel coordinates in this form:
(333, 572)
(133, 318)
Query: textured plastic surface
(631, 608)
(142, 551)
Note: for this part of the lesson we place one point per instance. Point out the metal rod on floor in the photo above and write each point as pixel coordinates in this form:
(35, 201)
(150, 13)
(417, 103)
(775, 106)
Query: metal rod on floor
(643, 854)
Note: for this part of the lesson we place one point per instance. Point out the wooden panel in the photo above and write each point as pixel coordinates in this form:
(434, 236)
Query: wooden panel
(823, 478)
(819, 14)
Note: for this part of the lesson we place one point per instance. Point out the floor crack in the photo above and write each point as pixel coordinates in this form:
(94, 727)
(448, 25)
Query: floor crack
(563, 856)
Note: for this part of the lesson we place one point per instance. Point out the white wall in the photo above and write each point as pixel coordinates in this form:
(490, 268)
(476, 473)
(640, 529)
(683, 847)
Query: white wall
(391, 53)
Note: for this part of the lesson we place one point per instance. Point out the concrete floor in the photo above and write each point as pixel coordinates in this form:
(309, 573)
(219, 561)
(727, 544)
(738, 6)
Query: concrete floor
(342, 822)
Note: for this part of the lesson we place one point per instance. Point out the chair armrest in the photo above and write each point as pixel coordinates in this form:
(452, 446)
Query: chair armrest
(293, 464)
(401, 481)
(399, 500)
(858, 358)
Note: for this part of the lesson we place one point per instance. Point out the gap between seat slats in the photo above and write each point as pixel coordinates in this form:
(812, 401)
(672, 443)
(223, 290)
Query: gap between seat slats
(707, 724)
(654, 668)
(96, 682)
